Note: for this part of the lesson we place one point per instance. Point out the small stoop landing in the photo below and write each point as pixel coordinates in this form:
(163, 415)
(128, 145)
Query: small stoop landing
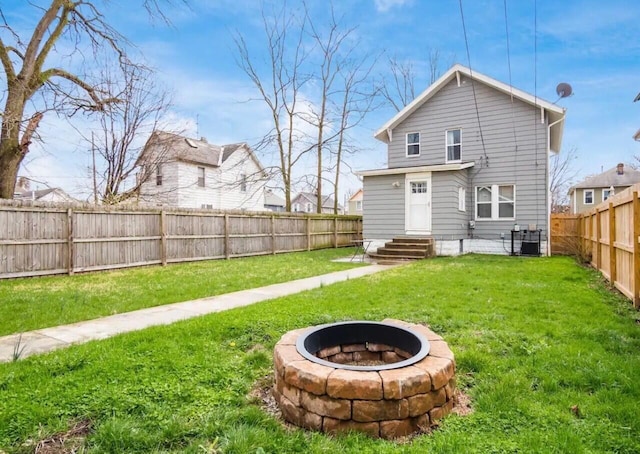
(403, 249)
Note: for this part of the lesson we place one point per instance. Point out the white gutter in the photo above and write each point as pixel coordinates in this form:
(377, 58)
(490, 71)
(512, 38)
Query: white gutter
(549, 184)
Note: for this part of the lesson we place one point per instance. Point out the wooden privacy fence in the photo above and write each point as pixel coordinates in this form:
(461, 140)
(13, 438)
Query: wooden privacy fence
(38, 241)
(607, 236)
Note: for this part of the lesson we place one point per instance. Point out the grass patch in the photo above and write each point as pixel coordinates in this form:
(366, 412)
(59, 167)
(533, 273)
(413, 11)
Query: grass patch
(534, 340)
(32, 303)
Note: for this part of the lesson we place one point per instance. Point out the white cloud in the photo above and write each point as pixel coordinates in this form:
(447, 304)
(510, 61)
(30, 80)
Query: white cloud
(382, 6)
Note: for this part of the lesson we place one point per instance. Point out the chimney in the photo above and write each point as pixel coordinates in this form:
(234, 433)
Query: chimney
(620, 170)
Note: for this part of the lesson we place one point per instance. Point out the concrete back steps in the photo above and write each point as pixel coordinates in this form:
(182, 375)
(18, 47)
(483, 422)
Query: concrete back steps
(402, 249)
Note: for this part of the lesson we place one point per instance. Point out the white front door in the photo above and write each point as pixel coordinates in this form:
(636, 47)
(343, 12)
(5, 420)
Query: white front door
(418, 203)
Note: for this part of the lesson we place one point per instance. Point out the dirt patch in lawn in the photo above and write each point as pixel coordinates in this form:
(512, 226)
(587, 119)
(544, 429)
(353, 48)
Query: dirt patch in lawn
(67, 442)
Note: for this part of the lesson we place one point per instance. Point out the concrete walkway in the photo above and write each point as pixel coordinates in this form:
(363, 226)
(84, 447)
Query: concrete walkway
(47, 339)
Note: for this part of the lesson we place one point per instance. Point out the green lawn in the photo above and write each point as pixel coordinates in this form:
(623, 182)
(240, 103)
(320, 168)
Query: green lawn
(32, 303)
(533, 337)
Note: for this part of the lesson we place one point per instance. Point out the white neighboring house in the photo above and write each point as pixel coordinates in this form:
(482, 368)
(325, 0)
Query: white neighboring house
(23, 192)
(189, 173)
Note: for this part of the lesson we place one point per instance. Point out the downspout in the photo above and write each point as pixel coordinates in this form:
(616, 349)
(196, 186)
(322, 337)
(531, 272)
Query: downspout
(549, 184)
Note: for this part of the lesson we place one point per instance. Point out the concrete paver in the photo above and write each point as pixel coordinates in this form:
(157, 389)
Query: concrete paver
(47, 339)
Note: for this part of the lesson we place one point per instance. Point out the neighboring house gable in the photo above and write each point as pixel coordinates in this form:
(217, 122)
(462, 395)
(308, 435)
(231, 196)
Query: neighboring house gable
(272, 202)
(356, 202)
(306, 202)
(598, 188)
(467, 160)
(189, 173)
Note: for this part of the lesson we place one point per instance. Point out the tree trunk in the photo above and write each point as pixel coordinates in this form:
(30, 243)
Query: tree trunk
(10, 159)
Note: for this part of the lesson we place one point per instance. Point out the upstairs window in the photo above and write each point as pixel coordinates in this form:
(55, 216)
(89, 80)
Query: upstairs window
(308, 207)
(413, 144)
(159, 175)
(588, 196)
(358, 205)
(606, 193)
(454, 143)
(296, 207)
(201, 177)
(243, 182)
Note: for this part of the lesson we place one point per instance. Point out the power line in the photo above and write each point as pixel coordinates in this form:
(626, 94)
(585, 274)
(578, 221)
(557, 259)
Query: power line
(473, 86)
(513, 121)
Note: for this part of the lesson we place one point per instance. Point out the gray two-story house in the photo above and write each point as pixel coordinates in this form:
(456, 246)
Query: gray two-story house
(468, 162)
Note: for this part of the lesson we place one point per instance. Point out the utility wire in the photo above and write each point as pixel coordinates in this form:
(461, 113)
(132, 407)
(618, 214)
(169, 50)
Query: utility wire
(473, 86)
(513, 121)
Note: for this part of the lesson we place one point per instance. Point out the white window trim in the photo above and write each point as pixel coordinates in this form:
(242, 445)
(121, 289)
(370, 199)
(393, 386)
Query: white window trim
(462, 199)
(308, 207)
(611, 193)
(495, 204)
(204, 177)
(584, 196)
(296, 207)
(406, 146)
(358, 205)
(446, 146)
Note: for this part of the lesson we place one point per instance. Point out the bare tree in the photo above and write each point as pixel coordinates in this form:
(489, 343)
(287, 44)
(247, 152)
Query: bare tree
(562, 172)
(280, 87)
(335, 50)
(399, 87)
(24, 62)
(122, 128)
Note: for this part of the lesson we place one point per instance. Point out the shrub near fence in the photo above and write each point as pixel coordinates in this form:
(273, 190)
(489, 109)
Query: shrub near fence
(47, 239)
(607, 236)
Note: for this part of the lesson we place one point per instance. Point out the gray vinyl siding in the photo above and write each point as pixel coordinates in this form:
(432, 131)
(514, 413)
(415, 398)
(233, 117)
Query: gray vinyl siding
(515, 141)
(447, 222)
(383, 207)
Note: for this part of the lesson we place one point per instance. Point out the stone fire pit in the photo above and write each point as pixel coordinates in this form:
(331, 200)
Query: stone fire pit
(336, 377)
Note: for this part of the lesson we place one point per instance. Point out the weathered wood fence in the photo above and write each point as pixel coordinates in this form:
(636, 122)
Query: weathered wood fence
(41, 240)
(607, 236)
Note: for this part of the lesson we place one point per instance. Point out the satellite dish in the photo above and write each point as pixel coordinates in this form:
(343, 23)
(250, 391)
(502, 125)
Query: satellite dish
(564, 90)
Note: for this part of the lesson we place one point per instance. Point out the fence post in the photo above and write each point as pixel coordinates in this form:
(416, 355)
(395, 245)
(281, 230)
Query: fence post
(335, 231)
(273, 234)
(308, 233)
(163, 238)
(226, 236)
(613, 272)
(598, 244)
(636, 250)
(70, 248)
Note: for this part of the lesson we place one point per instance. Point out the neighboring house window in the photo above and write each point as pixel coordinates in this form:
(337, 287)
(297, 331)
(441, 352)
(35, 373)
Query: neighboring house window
(308, 207)
(496, 202)
(453, 145)
(588, 196)
(201, 177)
(243, 182)
(462, 197)
(159, 175)
(296, 207)
(606, 193)
(206, 206)
(413, 144)
(358, 205)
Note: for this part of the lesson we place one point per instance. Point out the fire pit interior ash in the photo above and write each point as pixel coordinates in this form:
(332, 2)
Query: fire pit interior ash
(385, 379)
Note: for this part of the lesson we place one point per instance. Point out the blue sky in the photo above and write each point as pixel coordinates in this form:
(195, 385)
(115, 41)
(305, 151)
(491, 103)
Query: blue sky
(593, 45)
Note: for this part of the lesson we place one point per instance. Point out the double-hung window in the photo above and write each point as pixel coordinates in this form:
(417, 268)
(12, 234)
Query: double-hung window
(413, 144)
(588, 196)
(159, 175)
(201, 177)
(454, 144)
(358, 205)
(496, 202)
(308, 207)
(606, 193)
(243, 182)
